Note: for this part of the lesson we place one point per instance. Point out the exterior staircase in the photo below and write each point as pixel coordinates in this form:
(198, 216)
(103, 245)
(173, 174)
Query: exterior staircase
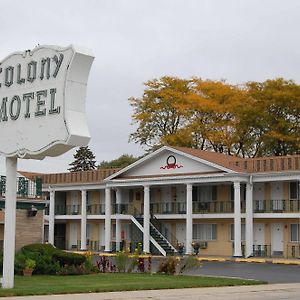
(159, 238)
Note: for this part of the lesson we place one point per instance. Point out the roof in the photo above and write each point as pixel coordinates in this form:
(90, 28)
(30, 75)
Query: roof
(248, 165)
(226, 161)
(93, 176)
(30, 175)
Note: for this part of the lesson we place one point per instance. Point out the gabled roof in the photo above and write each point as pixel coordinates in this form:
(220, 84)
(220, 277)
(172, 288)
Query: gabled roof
(216, 163)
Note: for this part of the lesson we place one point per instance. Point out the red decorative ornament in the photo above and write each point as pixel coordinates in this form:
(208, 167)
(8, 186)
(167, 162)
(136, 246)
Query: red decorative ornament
(171, 163)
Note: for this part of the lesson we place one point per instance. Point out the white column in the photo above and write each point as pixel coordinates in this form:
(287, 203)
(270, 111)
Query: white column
(83, 221)
(189, 218)
(51, 218)
(107, 220)
(118, 220)
(237, 220)
(146, 239)
(10, 223)
(249, 220)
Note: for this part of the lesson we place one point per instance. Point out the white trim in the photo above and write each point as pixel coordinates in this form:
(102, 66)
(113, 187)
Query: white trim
(193, 179)
(276, 215)
(167, 148)
(73, 187)
(279, 176)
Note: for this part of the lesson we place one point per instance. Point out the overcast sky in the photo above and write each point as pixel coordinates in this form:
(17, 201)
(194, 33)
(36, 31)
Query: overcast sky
(137, 40)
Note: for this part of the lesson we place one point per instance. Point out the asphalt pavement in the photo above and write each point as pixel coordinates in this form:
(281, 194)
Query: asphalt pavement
(271, 273)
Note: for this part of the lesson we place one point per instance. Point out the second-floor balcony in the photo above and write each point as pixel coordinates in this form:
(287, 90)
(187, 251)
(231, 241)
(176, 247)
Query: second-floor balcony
(96, 209)
(173, 207)
(276, 206)
(73, 209)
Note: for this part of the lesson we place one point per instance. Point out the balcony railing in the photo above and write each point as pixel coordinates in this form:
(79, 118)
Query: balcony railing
(73, 209)
(28, 188)
(60, 209)
(261, 250)
(276, 206)
(168, 208)
(126, 209)
(216, 207)
(293, 250)
(68, 209)
(259, 206)
(96, 209)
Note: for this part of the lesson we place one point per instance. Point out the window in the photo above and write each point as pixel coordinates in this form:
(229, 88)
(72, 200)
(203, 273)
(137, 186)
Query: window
(243, 192)
(294, 190)
(205, 232)
(243, 233)
(295, 233)
(207, 193)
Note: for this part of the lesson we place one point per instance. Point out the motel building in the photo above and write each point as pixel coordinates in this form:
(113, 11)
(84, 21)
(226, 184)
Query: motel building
(231, 206)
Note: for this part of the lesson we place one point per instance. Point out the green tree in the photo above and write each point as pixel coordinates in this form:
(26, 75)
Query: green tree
(84, 160)
(120, 162)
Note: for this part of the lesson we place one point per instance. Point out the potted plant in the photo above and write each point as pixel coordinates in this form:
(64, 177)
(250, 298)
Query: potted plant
(29, 267)
(180, 247)
(196, 246)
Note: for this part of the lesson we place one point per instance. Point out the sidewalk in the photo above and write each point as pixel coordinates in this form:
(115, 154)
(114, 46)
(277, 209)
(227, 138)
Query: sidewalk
(257, 292)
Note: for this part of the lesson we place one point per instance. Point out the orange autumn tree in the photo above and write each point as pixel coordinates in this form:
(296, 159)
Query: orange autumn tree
(234, 119)
(278, 106)
(161, 111)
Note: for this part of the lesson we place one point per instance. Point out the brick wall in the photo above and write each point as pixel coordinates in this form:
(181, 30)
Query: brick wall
(29, 230)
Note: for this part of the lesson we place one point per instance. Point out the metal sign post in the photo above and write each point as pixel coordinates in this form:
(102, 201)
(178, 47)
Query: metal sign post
(10, 222)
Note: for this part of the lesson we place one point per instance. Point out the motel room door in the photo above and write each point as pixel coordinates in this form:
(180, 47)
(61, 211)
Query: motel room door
(259, 239)
(277, 196)
(277, 239)
(181, 233)
(73, 236)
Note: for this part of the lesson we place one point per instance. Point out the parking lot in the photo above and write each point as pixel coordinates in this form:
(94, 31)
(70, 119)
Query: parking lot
(272, 273)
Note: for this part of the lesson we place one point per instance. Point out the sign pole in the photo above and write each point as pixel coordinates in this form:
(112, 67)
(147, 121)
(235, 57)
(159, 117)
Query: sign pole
(10, 222)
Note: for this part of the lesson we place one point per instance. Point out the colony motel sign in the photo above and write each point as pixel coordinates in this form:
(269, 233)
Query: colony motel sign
(42, 97)
(42, 113)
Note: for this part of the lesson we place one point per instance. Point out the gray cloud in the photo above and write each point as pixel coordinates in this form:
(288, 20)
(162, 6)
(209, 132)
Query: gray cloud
(136, 40)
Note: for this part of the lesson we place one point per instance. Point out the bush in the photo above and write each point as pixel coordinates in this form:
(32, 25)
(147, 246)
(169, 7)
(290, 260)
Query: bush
(68, 258)
(168, 266)
(43, 256)
(20, 259)
(121, 261)
(40, 248)
(73, 270)
(189, 263)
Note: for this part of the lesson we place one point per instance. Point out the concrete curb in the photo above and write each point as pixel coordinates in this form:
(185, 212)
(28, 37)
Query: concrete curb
(214, 259)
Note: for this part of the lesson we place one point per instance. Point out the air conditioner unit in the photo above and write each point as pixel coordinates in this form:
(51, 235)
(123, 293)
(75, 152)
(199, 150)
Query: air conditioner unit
(203, 245)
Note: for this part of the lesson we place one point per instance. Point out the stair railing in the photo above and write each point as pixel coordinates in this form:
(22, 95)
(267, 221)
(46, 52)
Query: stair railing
(158, 226)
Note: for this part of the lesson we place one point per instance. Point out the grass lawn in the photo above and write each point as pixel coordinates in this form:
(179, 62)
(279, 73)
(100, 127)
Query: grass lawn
(39, 285)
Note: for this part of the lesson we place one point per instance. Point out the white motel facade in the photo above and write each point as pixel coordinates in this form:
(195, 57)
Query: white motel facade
(231, 206)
